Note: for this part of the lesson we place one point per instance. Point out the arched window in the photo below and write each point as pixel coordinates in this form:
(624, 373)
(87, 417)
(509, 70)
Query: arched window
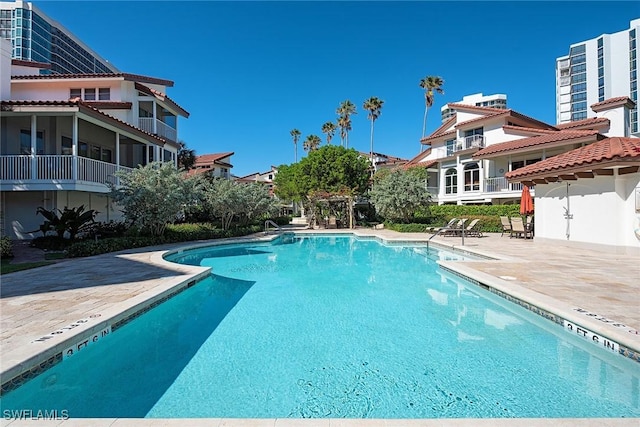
(471, 177)
(451, 181)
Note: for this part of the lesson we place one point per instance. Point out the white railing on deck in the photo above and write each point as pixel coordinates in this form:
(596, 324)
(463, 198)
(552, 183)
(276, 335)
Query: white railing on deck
(162, 129)
(468, 142)
(15, 168)
(57, 168)
(495, 185)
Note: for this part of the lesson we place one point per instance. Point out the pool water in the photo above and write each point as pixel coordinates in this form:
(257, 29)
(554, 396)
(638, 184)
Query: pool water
(335, 327)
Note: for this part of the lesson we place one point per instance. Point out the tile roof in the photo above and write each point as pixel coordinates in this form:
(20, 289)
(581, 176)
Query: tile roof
(442, 128)
(589, 123)
(459, 106)
(85, 107)
(606, 152)
(161, 96)
(497, 112)
(528, 130)
(613, 102)
(432, 137)
(124, 76)
(533, 141)
(212, 158)
(109, 105)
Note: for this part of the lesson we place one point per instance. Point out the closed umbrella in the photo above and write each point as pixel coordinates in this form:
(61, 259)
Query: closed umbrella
(526, 202)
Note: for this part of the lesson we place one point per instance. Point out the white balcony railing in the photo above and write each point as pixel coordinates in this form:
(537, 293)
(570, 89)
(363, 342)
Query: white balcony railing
(468, 142)
(496, 185)
(162, 129)
(58, 168)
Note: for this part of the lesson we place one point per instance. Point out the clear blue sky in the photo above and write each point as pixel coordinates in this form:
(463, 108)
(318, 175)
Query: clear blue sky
(249, 72)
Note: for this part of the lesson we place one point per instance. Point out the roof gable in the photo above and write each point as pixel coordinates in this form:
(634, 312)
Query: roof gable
(564, 137)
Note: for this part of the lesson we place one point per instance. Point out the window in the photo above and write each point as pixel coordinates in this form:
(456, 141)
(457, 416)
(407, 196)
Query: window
(75, 93)
(517, 165)
(95, 152)
(104, 94)
(450, 146)
(83, 149)
(451, 181)
(67, 145)
(90, 94)
(25, 142)
(471, 177)
(105, 155)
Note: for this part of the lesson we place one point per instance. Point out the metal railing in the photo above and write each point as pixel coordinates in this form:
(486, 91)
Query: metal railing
(162, 129)
(268, 224)
(496, 185)
(468, 142)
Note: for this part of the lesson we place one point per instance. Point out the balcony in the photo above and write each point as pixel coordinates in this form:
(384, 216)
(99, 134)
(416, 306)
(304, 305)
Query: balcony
(500, 184)
(162, 129)
(466, 143)
(56, 169)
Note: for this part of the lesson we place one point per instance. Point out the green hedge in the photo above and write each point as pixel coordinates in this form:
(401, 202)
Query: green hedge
(6, 249)
(173, 234)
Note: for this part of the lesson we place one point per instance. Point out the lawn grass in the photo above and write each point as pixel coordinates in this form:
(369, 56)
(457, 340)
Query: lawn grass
(6, 268)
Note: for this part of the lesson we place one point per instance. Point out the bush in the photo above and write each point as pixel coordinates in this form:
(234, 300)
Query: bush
(282, 220)
(405, 228)
(6, 248)
(109, 229)
(51, 243)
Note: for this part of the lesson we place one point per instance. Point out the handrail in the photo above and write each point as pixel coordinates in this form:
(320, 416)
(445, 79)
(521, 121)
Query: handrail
(268, 223)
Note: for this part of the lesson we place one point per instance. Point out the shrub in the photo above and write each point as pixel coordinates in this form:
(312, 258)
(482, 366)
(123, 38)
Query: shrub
(50, 243)
(282, 220)
(6, 248)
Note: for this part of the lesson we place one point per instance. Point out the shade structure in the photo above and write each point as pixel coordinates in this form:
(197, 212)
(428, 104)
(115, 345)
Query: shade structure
(526, 202)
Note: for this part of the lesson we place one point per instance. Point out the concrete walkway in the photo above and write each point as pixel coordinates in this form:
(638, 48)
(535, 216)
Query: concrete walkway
(49, 310)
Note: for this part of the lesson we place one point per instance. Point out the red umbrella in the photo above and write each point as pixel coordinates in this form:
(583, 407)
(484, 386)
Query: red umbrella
(526, 202)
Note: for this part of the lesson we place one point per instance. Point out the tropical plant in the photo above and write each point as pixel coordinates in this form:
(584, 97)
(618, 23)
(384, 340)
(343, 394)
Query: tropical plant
(344, 111)
(71, 221)
(295, 134)
(398, 195)
(374, 106)
(6, 248)
(186, 156)
(329, 129)
(155, 195)
(311, 143)
(431, 85)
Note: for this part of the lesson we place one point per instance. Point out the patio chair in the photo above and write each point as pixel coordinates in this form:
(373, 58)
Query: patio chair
(506, 225)
(472, 229)
(333, 222)
(518, 229)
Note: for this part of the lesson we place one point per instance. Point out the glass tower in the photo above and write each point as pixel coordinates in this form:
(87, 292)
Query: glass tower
(35, 37)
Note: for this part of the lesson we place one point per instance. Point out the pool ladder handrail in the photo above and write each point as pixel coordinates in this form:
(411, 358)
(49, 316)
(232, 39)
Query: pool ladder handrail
(268, 223)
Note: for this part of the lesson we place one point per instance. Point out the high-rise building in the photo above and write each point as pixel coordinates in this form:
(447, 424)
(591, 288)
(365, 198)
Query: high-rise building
(601, 68)
(477, 99)
(37, 38)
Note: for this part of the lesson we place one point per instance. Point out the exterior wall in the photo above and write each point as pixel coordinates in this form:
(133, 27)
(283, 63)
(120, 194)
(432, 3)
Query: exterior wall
(19, 209)
(603, 209)
(58, 90)
(619, 124)
(5, 69)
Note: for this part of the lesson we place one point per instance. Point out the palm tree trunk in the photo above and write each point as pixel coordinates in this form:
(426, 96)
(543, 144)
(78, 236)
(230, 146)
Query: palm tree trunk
(295, 149)
(424, 125)
(371, 150)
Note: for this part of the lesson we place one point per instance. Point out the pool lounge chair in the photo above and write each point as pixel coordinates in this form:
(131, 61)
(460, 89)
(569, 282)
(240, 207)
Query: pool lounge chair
(472, 229)
(454, 230)
(518, 228)
(447, 226)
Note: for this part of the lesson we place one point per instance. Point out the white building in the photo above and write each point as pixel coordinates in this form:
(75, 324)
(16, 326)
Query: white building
(216, 165)
(493, 101)
(63, 137)
(595, 70)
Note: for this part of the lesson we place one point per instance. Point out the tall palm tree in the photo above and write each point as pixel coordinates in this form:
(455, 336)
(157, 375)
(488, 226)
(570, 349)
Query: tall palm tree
(431, 85)
(329, 128)
(342, 125)
(344, 111)
(295, 134)
(312, 143)
(374, 106)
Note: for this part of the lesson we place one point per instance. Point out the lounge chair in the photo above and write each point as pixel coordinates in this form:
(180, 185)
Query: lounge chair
(333, 222)
(454, 230)
(447, 226)
(506, 225)
(472, 229)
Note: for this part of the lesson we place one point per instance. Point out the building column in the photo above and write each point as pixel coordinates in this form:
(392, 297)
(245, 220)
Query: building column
(117, 158)
(155, 119)
(156, 153)
(74, 148)
(34, 147)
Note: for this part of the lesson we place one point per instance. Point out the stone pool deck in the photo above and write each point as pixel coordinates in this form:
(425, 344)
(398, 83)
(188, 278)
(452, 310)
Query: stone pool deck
(48, 310)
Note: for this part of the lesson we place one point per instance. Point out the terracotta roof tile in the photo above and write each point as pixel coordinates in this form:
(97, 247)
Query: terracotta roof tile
(528, 130)
(34, 64)
(608, 150)
(589, 123)
(547, 138)
(212, 158)
(612, 103)
(125, 76)
(497, 112)
(443, 127)
(433, 137)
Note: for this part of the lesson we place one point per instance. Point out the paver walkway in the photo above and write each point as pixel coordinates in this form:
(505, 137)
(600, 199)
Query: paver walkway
(35, 303)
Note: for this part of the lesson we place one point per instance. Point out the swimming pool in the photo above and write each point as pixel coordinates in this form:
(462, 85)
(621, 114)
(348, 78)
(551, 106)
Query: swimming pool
(335, 327)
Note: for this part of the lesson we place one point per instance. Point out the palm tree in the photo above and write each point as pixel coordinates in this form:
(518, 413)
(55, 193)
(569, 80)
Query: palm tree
(344, 111)
(430, 84)
(329, 129)
(343, 124)
(295, 134)
(374, 106)
(312, 143)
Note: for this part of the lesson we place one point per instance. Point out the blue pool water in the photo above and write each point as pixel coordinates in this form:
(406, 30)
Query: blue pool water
(335, 327)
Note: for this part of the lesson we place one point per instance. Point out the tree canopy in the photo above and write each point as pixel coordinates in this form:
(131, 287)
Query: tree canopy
(398, 194)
